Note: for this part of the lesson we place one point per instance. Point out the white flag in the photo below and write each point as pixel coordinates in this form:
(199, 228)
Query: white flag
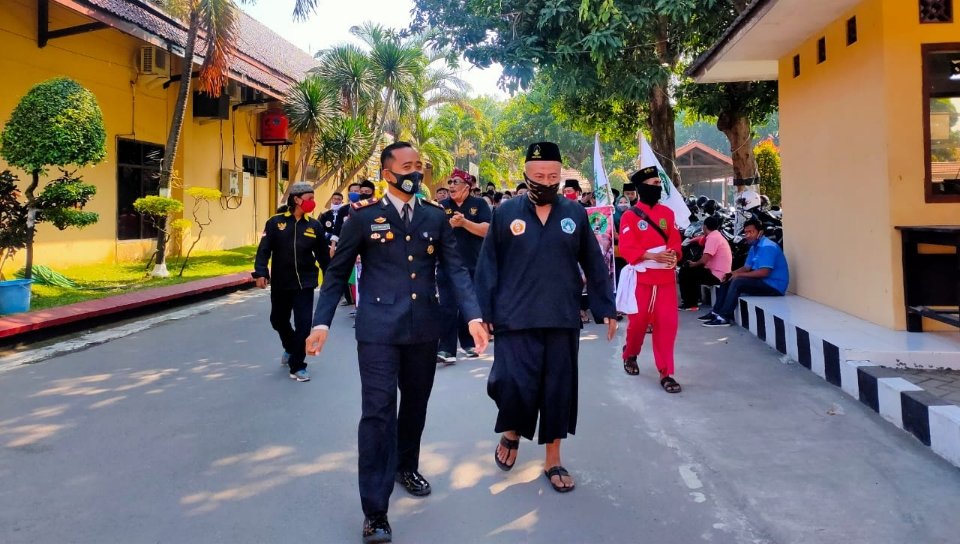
(672, 198)
(602, 191)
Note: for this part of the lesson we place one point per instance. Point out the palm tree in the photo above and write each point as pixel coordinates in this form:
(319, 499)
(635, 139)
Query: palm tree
(217, 19)
(312, 106)
(433, 144)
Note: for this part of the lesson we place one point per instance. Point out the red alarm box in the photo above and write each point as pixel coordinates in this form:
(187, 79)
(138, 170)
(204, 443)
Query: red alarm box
(273, 127)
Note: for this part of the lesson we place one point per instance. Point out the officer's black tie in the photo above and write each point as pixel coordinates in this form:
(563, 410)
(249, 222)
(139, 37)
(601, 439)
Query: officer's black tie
(406, 216)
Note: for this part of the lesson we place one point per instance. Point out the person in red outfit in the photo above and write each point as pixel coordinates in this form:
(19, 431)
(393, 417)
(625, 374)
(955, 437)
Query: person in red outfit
(650, 243)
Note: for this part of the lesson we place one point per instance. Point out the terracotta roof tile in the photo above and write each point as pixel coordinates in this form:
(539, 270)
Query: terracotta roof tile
(265, 58)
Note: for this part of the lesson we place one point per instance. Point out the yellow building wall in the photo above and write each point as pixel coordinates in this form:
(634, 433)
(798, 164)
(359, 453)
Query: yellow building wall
(852, 145)
(136, 108)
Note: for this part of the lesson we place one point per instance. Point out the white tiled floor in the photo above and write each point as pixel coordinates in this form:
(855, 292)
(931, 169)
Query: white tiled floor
(861, 340)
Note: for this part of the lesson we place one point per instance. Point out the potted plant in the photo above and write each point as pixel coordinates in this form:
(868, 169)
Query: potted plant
(57, 123)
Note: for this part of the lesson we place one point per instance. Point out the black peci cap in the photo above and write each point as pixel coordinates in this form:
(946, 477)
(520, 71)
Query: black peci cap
(644, 174)
(629, 186)
(543, 151)
(572, 183)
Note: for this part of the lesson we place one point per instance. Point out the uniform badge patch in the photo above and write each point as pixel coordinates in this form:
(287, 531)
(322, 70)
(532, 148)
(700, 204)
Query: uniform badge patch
(663, 224)
(380, 220)
(568, 225)
(375, 236)
(329, 224)
(430, 249)
(449, 211)
(281, 226)
(518, 227)
(473, 211)
(389, 235)
(379, 228)
(642, 225)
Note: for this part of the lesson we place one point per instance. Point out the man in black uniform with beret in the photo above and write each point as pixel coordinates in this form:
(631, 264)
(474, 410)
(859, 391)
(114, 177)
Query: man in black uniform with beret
(528, 284)
(400, 240)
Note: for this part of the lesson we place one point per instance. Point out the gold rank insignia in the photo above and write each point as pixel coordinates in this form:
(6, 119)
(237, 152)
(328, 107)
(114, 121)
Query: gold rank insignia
(380, 220)
(389, 235)
(281, 226)
(430, 249)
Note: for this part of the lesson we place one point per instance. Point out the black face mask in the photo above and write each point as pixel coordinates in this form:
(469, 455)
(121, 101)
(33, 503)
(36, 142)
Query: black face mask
(649, 194)
(541, 194)
(407, 183)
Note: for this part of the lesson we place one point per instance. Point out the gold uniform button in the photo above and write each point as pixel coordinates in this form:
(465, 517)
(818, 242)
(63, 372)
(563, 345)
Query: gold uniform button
(413, 276)
(408, 237)
(414, 296)
(410, 258)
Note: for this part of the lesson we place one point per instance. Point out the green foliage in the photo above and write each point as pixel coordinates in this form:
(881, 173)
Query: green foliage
(158, 206)
(768, 163)
(204, 193)
(62, 201)
(44, 275)
(13, 216)
(57, 123)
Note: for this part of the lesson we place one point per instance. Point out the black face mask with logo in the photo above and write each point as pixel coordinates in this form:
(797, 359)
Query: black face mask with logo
(541, 194)
(407, 183)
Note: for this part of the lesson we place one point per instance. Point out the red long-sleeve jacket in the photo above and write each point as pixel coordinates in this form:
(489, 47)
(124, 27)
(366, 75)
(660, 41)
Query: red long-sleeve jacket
(637, 237)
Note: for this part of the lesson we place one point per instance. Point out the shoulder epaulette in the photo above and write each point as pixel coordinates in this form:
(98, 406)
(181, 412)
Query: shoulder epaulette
(363, 203)
(432, 203)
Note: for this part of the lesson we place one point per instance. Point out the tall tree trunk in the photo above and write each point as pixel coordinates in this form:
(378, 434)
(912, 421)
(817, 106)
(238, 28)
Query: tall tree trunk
(663, 132)
(173, 138)
(736, 126)
(31, 222)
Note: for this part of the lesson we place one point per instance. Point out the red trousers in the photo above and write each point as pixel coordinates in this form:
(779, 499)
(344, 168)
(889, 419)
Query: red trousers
(658, 305)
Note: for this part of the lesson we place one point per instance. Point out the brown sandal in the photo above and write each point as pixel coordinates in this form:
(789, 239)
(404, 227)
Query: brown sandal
(630, 366)
(670, 385)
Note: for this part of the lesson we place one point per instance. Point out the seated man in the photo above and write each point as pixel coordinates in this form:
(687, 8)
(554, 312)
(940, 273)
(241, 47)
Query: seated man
(710, 269)
(765, 274)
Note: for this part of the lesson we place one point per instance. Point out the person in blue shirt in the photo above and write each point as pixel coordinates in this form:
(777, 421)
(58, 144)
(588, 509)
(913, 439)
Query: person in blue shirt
(528, 285)
(765, 274)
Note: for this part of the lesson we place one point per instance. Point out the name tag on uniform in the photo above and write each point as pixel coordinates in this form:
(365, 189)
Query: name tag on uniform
(379, 228)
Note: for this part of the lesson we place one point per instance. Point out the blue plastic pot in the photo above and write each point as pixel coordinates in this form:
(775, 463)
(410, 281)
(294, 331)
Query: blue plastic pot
(14, 296)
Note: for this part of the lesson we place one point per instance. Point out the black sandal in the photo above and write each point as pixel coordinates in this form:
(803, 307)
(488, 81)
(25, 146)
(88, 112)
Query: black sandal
(630, 366)
(559, 472)
(670, 385)
(509, 445)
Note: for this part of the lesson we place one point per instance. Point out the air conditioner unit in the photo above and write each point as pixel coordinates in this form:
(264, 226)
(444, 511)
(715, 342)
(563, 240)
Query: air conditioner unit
(235, 92)
(154, 62)
(233, 183)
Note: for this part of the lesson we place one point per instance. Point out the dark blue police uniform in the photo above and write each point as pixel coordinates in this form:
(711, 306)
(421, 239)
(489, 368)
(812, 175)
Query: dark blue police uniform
(398, 326)
(528, 285)
(468, 244)
(294, 249)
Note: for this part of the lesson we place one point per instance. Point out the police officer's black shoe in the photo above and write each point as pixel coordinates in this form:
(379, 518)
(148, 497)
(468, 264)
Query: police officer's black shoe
(414, 483)
(376, 530)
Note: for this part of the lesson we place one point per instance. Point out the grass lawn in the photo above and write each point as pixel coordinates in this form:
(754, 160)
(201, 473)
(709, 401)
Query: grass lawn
(103, 280)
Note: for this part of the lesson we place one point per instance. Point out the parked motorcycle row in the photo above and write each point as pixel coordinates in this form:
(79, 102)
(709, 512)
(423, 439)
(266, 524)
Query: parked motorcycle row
(748, 205)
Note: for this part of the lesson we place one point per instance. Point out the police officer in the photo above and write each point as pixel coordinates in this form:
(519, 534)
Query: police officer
(294, 244)
(470, 218)
(528, 284)
(400, 239)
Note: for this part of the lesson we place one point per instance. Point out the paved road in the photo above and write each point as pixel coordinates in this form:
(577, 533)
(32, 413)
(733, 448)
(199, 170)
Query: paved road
(190, 432)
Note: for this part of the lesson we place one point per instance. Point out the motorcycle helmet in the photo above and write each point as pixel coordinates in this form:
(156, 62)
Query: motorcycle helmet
(701, 201)
(764, 201)
(748, 200)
